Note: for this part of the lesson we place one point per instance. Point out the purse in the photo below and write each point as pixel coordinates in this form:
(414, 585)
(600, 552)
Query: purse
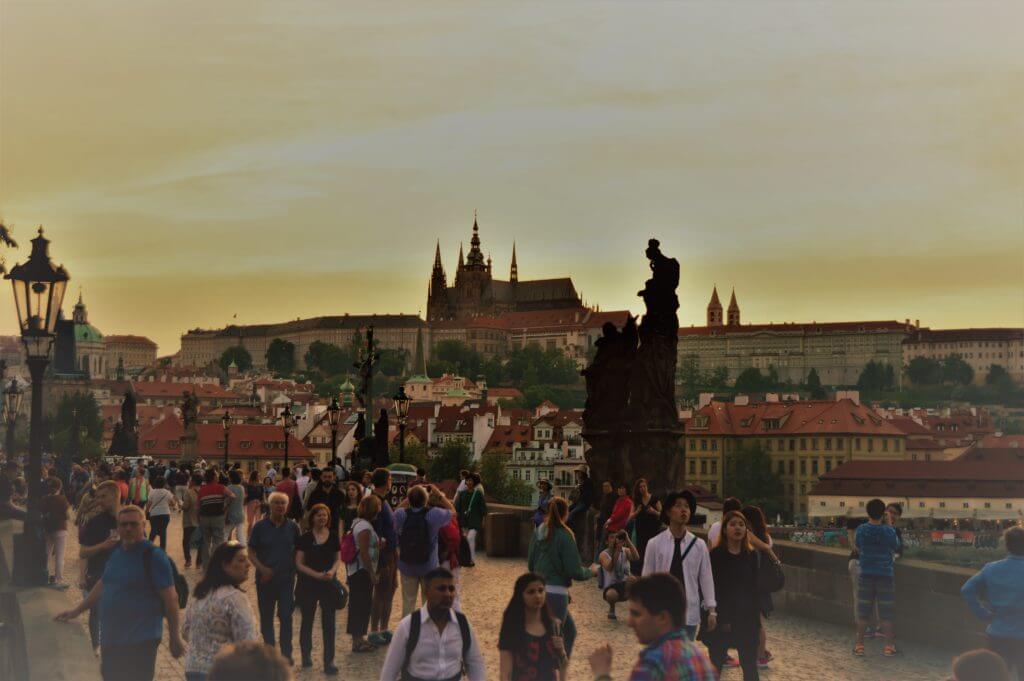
(770, 577)
(339, 594)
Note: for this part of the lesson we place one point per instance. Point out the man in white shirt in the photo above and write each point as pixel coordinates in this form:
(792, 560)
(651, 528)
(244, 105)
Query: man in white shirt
(434, 648)
(302, 480)
(271, 473)
(682, 554)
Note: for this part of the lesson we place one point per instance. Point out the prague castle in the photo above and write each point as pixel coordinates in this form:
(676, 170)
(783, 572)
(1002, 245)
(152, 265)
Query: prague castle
(475, 292)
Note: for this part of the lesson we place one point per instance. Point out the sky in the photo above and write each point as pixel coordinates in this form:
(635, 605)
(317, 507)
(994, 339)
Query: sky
(197, 164)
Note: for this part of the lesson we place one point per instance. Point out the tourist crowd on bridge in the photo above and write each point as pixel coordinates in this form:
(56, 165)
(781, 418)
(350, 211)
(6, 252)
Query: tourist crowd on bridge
(324, 539)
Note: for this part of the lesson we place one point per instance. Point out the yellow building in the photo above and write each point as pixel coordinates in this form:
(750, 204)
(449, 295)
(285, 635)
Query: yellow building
(980, 348)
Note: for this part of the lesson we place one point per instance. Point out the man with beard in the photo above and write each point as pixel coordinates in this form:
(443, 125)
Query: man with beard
(328, 494)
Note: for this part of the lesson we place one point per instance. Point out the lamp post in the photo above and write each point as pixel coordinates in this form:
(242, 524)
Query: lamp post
(38, 295)
(226, 423)
(287, 421)
(401, 401)
(12, 407)
(334, 419)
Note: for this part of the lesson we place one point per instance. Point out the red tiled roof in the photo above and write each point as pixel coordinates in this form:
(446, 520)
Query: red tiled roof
(1001, 441)
(909, 426)
(264, 440)
(813, 327)
(1000, 456)
(140, 340)
(504, 437)
(949, 479)
(597, 319)
(504, 393)
(922, 444)
(964, 335)
(163, 389)
(499, 323)
(812, 417)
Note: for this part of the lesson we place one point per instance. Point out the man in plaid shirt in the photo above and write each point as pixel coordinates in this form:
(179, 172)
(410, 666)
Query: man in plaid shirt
(657, 613)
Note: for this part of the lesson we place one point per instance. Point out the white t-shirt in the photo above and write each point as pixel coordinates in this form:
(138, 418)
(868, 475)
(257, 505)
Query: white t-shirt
(160, 501)
(713, 533)
(619, 571)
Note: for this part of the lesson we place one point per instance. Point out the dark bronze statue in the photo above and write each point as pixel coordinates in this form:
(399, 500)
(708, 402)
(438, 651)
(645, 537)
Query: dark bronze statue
(189, 410)
(380, 439)
(125, 441)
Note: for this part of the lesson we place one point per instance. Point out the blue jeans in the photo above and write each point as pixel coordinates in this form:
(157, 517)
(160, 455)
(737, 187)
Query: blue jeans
(559, 604)
(279, 593)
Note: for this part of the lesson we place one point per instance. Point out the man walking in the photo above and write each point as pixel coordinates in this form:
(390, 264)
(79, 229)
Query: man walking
(134, 596)
(97, 539)
(681, 554)
(213, 506)
(877, 544)
(387, 568)
(434, 643)
(326, 492)
(996, 596)
(657, 613)
(417, 527)
(272, 553)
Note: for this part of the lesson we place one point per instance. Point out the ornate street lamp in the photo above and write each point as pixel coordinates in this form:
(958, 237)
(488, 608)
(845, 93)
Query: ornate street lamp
(287, 422)
(334, 420)
(226, 423)
(401, 401)
(38, 295)
(11, 408)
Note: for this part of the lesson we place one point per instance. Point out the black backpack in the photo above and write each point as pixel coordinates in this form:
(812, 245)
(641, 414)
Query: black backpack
(414, 543)
(180, 584)
(414, 637)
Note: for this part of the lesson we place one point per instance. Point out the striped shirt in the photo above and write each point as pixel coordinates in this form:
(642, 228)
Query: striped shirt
(212, 497)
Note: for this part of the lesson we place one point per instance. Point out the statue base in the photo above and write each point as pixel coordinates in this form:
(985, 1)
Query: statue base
(188, 445)
(624, 455)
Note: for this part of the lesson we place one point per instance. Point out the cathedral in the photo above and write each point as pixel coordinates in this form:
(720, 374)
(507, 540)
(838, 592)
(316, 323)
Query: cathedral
(475, 292)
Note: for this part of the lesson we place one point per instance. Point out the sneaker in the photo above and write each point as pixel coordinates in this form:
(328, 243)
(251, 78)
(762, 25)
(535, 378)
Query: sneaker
(612, 615)
(768, 657)
(731, 662)
(889, 650)
(387, 636)
(762, 662)
(330, 670)
(858, 650)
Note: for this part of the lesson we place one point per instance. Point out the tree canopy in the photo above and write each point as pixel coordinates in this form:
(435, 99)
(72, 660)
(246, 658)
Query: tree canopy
(237, 354)
(281, 357)
(749, 476)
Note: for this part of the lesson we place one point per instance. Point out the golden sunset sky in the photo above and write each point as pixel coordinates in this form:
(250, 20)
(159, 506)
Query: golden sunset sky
(832, 161)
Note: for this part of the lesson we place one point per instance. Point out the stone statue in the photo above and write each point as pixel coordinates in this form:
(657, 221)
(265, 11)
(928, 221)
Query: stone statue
(380, 439)
(188, 410)
(128, 416)
(607, 377)
(125, 440)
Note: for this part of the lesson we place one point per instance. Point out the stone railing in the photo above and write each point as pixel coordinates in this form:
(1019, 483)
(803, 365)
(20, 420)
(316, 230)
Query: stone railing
(929, 608)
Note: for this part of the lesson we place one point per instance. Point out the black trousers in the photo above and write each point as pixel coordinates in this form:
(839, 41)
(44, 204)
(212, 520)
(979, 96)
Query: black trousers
(158, 528)
(186, 542)
(328, 616)
(360, 597)
(134, 662)
(1012, 652)
(718, 644)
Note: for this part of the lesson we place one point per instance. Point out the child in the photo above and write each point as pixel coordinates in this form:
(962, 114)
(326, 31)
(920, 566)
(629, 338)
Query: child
(615, 562)
(877, 544)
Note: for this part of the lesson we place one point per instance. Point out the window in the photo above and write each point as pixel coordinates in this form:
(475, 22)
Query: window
(814, 466)
(714, 445)
(803, 444)
(803, 466)
(714, 488)
(792, 445)
(693, 467)
(515, 473)
(781, 467)
(988, 504)
(767, 445)
(942, 504)
(966, 505)
(791, 464)
(703, 467)
(693, 445)
(803, 488)
(920, 504)
(703, 445)
(828, 465)
(527, 474)
(828, 443)
(871, 445)
(1009, 505)
(897, 445)
(714, 467)
(842, 504)
(856, 444)
(814, 443)
(885, 444)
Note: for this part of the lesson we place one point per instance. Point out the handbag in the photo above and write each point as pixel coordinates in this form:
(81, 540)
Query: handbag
(339, 594)
(770, 577)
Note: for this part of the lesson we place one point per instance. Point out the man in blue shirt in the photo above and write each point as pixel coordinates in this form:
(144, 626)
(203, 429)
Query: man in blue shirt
(133, 602)
(876, 543)
(272, 553)
(1001, 586)
(425, 540)
(387, 568)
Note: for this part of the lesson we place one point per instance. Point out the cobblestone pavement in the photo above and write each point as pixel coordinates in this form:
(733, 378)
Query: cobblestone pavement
(804, 650)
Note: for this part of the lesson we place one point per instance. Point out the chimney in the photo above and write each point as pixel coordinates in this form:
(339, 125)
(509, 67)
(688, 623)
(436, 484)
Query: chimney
(917, 323)
(742, 400)
(771, 397)
(704, 399)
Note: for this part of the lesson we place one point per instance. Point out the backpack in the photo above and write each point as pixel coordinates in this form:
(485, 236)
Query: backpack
(180, 584)
(414, 542)
(349, 551)
(414, 637)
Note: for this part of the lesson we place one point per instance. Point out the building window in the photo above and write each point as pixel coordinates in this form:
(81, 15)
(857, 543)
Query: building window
(920, 504)
(693, 445)
(885, 444)
(782, 467)
(803, 488)
(814, 443)
(792, 445)
(714, 488)
(703, 445)
(871, 445)
(966, 505)
(791, 464)
(856, 444)
(842, 504)
(527, 474)
(714, 445)
(828, 465)
(767, 445)
(803, 444)
(703, 467)
(693, 467)
(988, 504)
(1009, 505)
(897, 445)
(714, 467)
(942, 504)
(828, 443)
(814, 466)
(803, 466)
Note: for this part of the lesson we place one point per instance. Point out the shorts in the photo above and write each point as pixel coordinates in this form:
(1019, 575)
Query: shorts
(872, 589)
(620, 587)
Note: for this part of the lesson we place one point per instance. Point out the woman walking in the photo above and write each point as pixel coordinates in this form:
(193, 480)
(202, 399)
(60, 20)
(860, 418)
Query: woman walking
(362, 574)
(554, 555)
(190, 517)
(350, 511)
(471, 510)
(219, 613)
(54, 511)
(735, 565)
(158, 508)
(317, 561)
(235, 521)
(255, 496)
(139, 488)
(531, 644)
(757, 527)
(646, 517)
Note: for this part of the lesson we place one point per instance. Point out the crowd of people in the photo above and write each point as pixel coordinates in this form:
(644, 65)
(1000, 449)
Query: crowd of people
(320, 540)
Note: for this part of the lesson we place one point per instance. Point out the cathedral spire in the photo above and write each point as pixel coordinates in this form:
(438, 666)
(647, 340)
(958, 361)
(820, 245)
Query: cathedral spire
(733, 316)
(714, 309)
(437, 257)
(514, 274)
(461, 263)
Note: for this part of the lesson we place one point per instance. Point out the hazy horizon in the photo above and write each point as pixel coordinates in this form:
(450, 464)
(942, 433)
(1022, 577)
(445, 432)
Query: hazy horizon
(833, 162)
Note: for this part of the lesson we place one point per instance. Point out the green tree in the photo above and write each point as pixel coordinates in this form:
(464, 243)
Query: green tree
(328, 359)
(451, 458)
(924, 371)
(956, 370)
(494, 371)
(689, 377)
(814, 386)
(999, 379)
(81, 411)
(750, 381)
(873, 377)
(717, 379)
(415, 454)
(749, 476)
(392, 361)
(454, 357)
(499, 484)
(237, 354)
(281, 357)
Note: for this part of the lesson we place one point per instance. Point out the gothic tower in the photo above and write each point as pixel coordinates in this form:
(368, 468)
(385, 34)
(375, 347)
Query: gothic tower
(437, 292)
(513, 276)
(733, 315)
(714, 309)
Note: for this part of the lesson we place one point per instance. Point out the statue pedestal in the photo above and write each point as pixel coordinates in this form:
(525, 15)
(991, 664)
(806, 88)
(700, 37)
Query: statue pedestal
(624, 455)
(188, 445)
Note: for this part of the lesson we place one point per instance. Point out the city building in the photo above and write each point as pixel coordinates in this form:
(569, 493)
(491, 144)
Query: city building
(980, 348)
(79, 348)
(553, 451)
(132, 354)
(838, 351)
(475, 292)
(802, 439)
(252, 445)
(200, 347)
(171, 393)
(966, 487)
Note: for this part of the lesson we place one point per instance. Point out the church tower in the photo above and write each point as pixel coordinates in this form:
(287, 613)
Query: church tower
(733, 315)
(714, 309)
(80, 316)
(437, 292)
(513, 275)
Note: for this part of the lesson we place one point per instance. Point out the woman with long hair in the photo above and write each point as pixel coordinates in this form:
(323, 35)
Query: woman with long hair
(646, 517)
(317, 559)
(362, 574)
(734, 565)
(255, 495)
(350, 511)
(555, 556)
(531, 644)
(758, 529)
(219, 612)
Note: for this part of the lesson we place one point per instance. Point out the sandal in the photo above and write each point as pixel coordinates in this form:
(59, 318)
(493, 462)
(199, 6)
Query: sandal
(858, 650)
